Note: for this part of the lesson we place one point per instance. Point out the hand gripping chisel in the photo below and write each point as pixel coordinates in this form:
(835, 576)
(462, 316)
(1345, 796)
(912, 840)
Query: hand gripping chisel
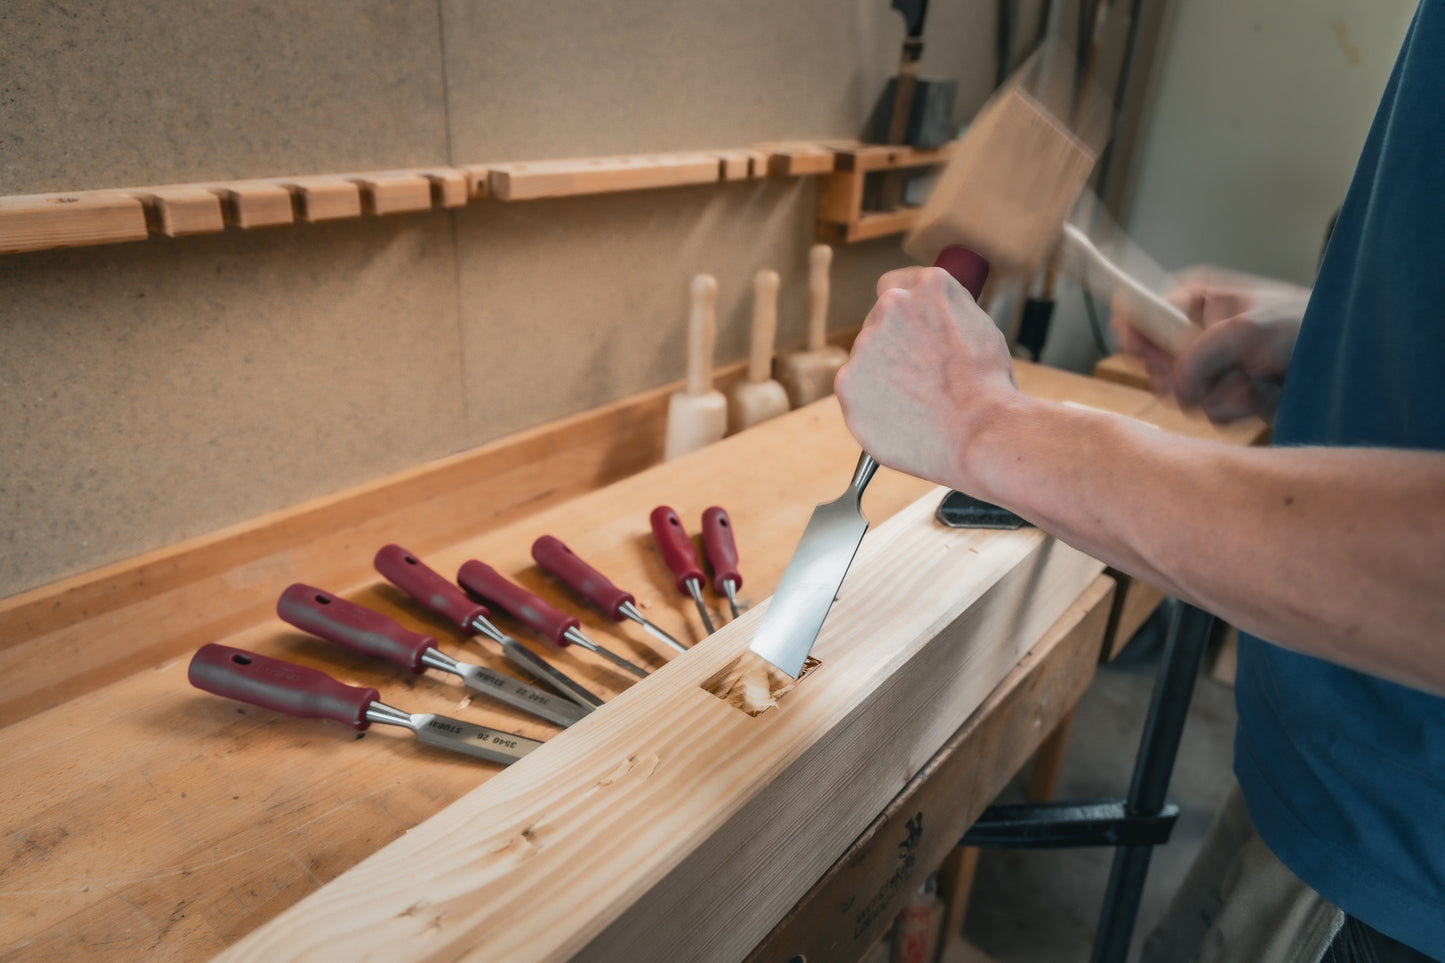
(486, 582)
(722, 554)
(427, 586)
(311, 694)
(675, 546)
(555, 558)
(825, 552)
(365, 632)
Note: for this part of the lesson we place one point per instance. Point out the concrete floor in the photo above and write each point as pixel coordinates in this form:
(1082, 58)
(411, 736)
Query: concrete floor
(1042, 906)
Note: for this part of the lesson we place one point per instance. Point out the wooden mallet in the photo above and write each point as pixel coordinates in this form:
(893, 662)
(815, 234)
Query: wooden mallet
(808, 375)
(1008, 189)
(758, 397)
(697, 415)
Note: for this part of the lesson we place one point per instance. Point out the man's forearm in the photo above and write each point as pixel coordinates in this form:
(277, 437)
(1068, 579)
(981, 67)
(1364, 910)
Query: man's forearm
(1336, 552)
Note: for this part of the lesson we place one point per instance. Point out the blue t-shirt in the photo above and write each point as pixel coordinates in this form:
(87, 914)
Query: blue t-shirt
(1343, 772)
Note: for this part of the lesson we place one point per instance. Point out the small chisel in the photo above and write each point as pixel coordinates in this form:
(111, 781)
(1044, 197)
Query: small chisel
(427, 586)
(722, 554)
(366, 632)
(486, 582)
(311, 694)
(675, 545)
(555, 558)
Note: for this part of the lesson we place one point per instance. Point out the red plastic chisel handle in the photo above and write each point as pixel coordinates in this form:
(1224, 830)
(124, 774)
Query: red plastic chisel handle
(557, 559)
(352, 627)
(722, 551)
(279, 686)
(967, 266)
(481, 579)
(404, 570)
(676, 547)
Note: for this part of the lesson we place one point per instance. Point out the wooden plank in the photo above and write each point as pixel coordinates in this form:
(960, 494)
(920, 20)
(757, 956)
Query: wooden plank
(869, 225)
(153, 818)
(478, 180)
(848, 908)
(668, 795)
(741, 165)
(393, 192)
(840, 197)
(39, 222)
(880, 157)
(601, 175)
(797, 159)
(181, 210)
(449, 186)
(252, 204)
(325, 197)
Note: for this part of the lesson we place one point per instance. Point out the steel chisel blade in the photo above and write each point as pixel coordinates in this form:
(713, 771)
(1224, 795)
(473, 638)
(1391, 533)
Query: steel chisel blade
(473, 740)
(506, 689)
(813, 576)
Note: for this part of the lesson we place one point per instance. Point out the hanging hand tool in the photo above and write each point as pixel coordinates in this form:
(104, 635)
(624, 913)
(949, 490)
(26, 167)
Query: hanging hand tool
(825, 552)
(555, 558)
(676, 548)
(722, 555)
(427, 586)
(311, 694)
(486, 582)
(366, 632)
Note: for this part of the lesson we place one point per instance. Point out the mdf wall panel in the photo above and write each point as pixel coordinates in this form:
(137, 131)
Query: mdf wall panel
(158, 390)
(119, 93)
(152, 392)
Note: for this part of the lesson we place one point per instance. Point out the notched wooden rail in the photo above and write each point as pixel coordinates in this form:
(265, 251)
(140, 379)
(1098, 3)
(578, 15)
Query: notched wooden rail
(37, 222)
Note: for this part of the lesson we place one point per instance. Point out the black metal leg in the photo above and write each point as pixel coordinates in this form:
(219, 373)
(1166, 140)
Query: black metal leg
(1168, 708)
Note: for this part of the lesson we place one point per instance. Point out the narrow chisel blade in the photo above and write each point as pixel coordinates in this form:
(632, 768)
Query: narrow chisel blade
(539, 669)
(525, 697)
(472, 740)
(813, 576)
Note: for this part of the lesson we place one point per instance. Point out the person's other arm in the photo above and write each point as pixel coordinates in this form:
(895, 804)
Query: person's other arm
(1336, 552)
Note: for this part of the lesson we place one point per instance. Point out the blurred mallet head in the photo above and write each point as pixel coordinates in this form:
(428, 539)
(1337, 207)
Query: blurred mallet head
(1015, 174)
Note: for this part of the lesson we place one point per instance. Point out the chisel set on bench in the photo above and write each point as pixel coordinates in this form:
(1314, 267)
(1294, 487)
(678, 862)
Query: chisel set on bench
(312, 694)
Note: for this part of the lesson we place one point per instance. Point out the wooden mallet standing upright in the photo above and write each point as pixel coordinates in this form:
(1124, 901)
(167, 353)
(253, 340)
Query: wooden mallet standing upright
(1011, 182)
(758, 397)
(807, 375)
(697, 415)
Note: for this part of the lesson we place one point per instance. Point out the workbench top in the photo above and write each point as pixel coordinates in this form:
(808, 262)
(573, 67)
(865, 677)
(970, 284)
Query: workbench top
(147, 818)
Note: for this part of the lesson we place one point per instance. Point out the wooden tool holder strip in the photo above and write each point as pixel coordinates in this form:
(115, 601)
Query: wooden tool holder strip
(37, 222)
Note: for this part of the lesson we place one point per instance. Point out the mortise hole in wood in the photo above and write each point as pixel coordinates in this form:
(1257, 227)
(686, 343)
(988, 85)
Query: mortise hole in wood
(753, 684)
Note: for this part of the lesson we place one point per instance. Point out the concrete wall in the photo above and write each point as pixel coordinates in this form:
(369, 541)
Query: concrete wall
(159, 390)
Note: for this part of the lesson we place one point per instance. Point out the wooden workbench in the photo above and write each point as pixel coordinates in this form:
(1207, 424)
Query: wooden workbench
(144, 818)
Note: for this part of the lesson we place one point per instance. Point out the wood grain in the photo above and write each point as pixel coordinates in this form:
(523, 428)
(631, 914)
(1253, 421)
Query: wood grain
(614, 839)
(182, 210)
(38, 222)
(394, 192)
(325, 197)
(253, 204)
(600, 175)
(856, 899)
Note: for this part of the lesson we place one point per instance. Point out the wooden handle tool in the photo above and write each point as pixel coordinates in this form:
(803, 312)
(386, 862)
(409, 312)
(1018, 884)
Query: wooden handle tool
(366, 632)
(758, 397)
(674, 544)
(555, 558)
(482, 580)
(312, 694)
(808, 375)
(697, 415)
(427, 586)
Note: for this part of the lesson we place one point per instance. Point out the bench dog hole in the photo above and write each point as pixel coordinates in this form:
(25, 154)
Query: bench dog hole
(753, 684)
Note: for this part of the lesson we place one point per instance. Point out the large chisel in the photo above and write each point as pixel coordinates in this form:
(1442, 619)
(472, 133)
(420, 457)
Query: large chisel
(825, 552)
(312, 694)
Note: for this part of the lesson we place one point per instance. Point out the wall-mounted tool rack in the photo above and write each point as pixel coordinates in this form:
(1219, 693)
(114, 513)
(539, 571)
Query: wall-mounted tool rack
(38, 222)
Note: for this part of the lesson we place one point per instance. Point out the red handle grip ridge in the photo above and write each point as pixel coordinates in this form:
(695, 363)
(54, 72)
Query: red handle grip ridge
(722, 550)
(555, 558)
(408, 573)
(675, 546)
(279, 686)
(352, 626)
(481, 579)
